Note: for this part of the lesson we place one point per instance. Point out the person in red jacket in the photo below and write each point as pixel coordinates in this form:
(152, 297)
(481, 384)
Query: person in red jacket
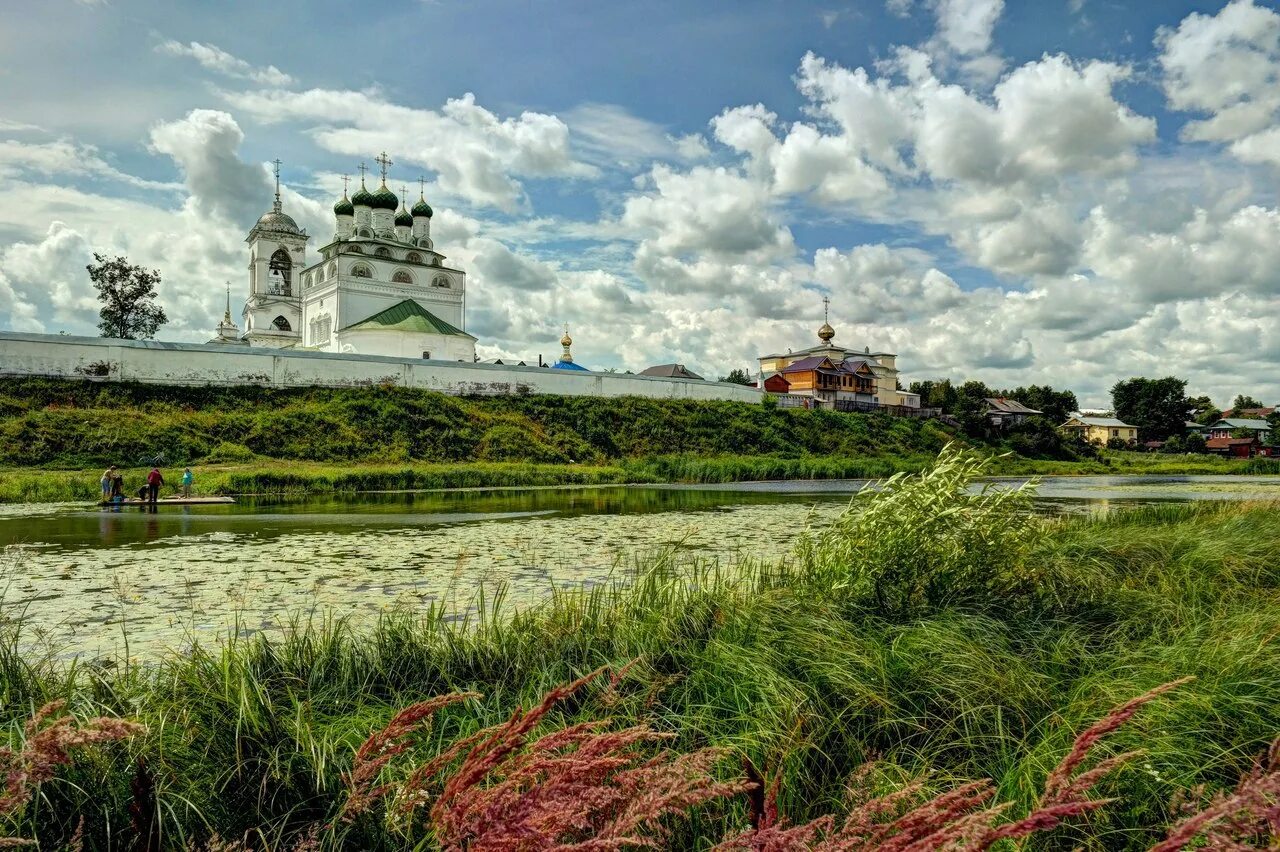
(154, 480)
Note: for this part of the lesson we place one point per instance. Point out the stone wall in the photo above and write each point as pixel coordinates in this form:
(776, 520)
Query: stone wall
(102, 359)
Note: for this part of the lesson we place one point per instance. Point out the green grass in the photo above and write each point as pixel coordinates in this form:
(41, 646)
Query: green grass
(942, 633)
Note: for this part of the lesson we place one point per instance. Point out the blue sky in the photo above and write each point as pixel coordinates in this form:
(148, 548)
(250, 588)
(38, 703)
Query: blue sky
(1055, 191)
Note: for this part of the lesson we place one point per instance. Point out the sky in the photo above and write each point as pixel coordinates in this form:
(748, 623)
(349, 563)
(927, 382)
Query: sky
(1069, 192)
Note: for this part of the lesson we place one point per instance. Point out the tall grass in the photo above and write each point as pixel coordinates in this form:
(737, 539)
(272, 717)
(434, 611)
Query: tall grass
(944, 633)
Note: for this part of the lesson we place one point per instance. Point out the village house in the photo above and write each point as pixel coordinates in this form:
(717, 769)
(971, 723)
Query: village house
(671, 371)
(1002, 413)
(1099, 430)
(1228, 427)
(1242, 448)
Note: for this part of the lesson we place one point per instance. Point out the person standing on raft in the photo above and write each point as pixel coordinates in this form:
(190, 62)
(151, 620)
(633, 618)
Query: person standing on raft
(154, 480)
(108, 477)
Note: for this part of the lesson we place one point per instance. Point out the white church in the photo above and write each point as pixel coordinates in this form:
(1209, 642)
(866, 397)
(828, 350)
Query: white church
(378, 287)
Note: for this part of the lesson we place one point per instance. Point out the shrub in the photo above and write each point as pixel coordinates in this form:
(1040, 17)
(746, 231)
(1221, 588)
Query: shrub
(922, 542)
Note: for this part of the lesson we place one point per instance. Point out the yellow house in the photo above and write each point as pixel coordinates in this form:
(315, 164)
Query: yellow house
(1099, 430)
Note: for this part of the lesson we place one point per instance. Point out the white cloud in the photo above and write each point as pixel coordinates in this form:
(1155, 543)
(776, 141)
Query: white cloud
(476, 155)
(65, 158)
(1228, 66)
(213, 58)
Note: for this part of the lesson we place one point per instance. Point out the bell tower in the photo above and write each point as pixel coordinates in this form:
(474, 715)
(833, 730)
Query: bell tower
(277, 256)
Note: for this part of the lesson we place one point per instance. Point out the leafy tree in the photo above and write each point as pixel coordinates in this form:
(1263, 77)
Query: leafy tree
(936, 393)
(1245, 401)
(1205, 411)
(1117, 444)
(1208, 416)
(1273, 420)
(1158, 407)
(1174, 445)
(737, 376)
(1194, 443)
(1242, 433)
(127, 293)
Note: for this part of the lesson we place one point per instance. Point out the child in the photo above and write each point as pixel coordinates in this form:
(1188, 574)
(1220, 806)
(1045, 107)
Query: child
(108, 477)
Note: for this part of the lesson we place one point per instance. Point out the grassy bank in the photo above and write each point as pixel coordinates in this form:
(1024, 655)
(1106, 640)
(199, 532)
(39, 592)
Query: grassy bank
(949, 636)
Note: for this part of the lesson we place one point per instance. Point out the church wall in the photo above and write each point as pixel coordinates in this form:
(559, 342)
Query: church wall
(402, 345)
(100, 359)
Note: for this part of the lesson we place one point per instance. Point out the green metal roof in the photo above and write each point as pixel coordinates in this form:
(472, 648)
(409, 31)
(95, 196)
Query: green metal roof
(408, 316)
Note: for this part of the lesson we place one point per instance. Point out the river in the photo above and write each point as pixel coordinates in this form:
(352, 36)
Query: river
(83, 579)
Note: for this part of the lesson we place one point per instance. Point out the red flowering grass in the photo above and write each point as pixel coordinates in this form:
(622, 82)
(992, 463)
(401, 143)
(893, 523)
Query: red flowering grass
(397, 737)
(961, 819)
(50, 737)
(1247, 815)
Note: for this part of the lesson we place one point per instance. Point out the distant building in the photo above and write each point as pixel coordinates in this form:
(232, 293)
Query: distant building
(1099, 430)
(1250, 413)
(671, 371)
(566, 359)
(880, 366)
(1225, 428)
(777, 383)
(1242, 448)
(1003, 413)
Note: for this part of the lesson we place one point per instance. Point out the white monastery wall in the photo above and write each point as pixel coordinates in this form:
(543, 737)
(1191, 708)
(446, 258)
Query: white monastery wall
(195, 364)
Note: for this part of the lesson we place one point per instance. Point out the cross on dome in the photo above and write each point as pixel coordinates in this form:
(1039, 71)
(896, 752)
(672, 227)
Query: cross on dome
(276, 164)
(383, 160)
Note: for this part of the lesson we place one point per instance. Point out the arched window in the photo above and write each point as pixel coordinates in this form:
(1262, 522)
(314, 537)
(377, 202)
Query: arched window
(355, 249)
(413, 257)
(440, 281)
(331, 271)
(361, 271)
(364, 232)
(382, 251)
(435, 261)
(281, 324)
(402, 277)
(280, 274)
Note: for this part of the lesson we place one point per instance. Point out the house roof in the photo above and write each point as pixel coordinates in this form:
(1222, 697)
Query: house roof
(806, 364)
(1009, 406)
(1257, 413)
(1241, 423)
(670, 371)
(1223, 443)
(1191, 424)
(408, 316)
(568, 365)
(1100, 421)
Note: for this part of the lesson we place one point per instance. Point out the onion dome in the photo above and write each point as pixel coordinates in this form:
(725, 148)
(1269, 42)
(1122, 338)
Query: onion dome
(826, 333)
(403, 218)
(385, 199)
(422, 208)
(275, 220)
(363, 197)
(344, 207)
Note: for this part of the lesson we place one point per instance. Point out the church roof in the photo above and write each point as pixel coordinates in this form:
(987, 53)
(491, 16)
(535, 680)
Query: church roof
(408, 316)
(568, 365)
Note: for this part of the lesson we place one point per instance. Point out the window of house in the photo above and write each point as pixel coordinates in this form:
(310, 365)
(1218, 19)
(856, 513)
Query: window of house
(413, 257)
(440, 281)
(426, 356)
(402, 277)
(381, 251)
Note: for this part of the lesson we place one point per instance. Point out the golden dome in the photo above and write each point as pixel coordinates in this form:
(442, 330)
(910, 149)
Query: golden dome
(566, 340)
(826, 332)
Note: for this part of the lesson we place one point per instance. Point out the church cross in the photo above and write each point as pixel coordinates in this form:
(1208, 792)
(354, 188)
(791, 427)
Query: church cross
(384, 162)
(404, 192)
(345, 178)
(422, 187)
(363, 169)
(826, 305)
(276, 164)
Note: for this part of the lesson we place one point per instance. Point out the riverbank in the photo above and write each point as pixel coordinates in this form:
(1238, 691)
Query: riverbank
(299, 478)
(948, 635)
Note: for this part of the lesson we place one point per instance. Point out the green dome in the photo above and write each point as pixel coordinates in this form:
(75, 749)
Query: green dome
(403, 218)
(363, 197)
(422, 208)
(344, 207)
(385, 199)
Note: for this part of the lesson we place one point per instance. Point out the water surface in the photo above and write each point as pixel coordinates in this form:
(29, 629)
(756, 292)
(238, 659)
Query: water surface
(85, 578)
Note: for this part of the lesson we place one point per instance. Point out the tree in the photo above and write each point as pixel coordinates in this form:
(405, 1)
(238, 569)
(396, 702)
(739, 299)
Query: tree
(1158, 407)
(127, 293)
(1243, 401)
(737, 376)
(936, 393)
(1194, 443)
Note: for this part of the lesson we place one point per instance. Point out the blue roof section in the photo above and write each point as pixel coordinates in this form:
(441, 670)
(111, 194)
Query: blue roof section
(568, 365)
